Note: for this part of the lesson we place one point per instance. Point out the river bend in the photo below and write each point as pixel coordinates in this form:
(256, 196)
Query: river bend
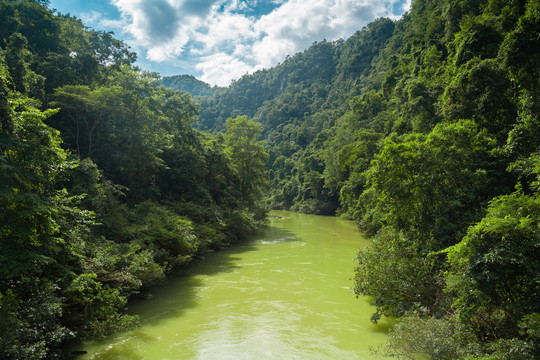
(286, 294)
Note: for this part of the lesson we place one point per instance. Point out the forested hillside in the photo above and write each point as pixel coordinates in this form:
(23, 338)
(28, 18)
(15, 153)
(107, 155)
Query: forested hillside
(426, 131)
(188, 83)
(104, 184)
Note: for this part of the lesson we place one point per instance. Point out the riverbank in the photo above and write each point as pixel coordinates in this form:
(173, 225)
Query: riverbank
(285, 293)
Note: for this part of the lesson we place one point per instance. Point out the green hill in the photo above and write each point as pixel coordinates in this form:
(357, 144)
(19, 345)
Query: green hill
(188, 83)
(425, 131)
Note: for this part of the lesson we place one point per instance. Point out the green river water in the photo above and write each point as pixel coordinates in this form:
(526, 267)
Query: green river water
(286, 294)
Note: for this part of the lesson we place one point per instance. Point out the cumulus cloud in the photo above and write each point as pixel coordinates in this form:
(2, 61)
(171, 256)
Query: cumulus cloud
(297, 23)
(154, 26)
(197, 7)
(160, 21)
(407, 5)
(222, 68)
(227, 30)
(228, 38)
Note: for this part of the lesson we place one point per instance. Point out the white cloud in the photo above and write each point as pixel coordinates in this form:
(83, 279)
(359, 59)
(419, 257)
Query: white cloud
(219, 69)
(112, 24)
(407, 5)
(298, 23)
(96, 19)
(227, 28)
(227, 39)
(90, 17)
(236, 5)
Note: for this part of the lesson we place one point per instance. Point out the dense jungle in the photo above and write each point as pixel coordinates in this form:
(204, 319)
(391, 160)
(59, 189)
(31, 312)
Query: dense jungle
(424, 130)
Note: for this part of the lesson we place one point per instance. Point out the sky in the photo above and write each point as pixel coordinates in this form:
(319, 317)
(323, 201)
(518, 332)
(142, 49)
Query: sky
(219, 41)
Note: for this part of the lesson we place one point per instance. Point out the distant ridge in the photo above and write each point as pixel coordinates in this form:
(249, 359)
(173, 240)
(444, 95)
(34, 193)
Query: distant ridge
(188, 83)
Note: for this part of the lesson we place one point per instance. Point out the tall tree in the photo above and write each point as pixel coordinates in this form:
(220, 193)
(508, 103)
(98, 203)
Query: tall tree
(39, 222)
(248, 157)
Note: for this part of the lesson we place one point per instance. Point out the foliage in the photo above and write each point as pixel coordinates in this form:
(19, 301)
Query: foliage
(417, 336)
(431, 186)
(93, 308)
(424, 130)
(189, 84)
(30, 312)
(247, 156)
(131, 193)
(38, 220)
(403, 282)
(495, 267)
(411, 128)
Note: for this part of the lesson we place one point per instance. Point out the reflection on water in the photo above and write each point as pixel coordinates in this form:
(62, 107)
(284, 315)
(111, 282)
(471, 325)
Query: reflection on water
(284, 295)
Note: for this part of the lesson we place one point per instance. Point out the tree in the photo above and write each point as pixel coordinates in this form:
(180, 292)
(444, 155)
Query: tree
(419, 336)
(481, 91)
(394, 272)
(33, 204)
(248, 157)
(432, 186)
(30, 313)
(495, 268)
(17, 58)
(86, 107)
(39, 222)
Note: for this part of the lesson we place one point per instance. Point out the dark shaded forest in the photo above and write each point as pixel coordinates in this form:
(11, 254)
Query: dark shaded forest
(425, 131)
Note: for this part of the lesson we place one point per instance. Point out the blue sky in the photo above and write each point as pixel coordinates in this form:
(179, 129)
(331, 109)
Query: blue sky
(220, 40)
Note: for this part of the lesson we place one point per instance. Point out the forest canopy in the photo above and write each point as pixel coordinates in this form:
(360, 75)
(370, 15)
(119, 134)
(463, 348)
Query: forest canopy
(424, 130)
(105, 186)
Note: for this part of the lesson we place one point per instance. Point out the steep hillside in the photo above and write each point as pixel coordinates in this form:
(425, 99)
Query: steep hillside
(431, 66)
(426, 131)
(307, 82)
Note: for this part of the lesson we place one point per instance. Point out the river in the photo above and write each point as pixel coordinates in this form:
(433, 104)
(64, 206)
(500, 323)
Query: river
(286, 294)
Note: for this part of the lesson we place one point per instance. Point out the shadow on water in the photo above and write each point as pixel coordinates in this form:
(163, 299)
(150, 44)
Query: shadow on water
(114, 354)
(179, 292)
(256, 297)
(384, 325)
